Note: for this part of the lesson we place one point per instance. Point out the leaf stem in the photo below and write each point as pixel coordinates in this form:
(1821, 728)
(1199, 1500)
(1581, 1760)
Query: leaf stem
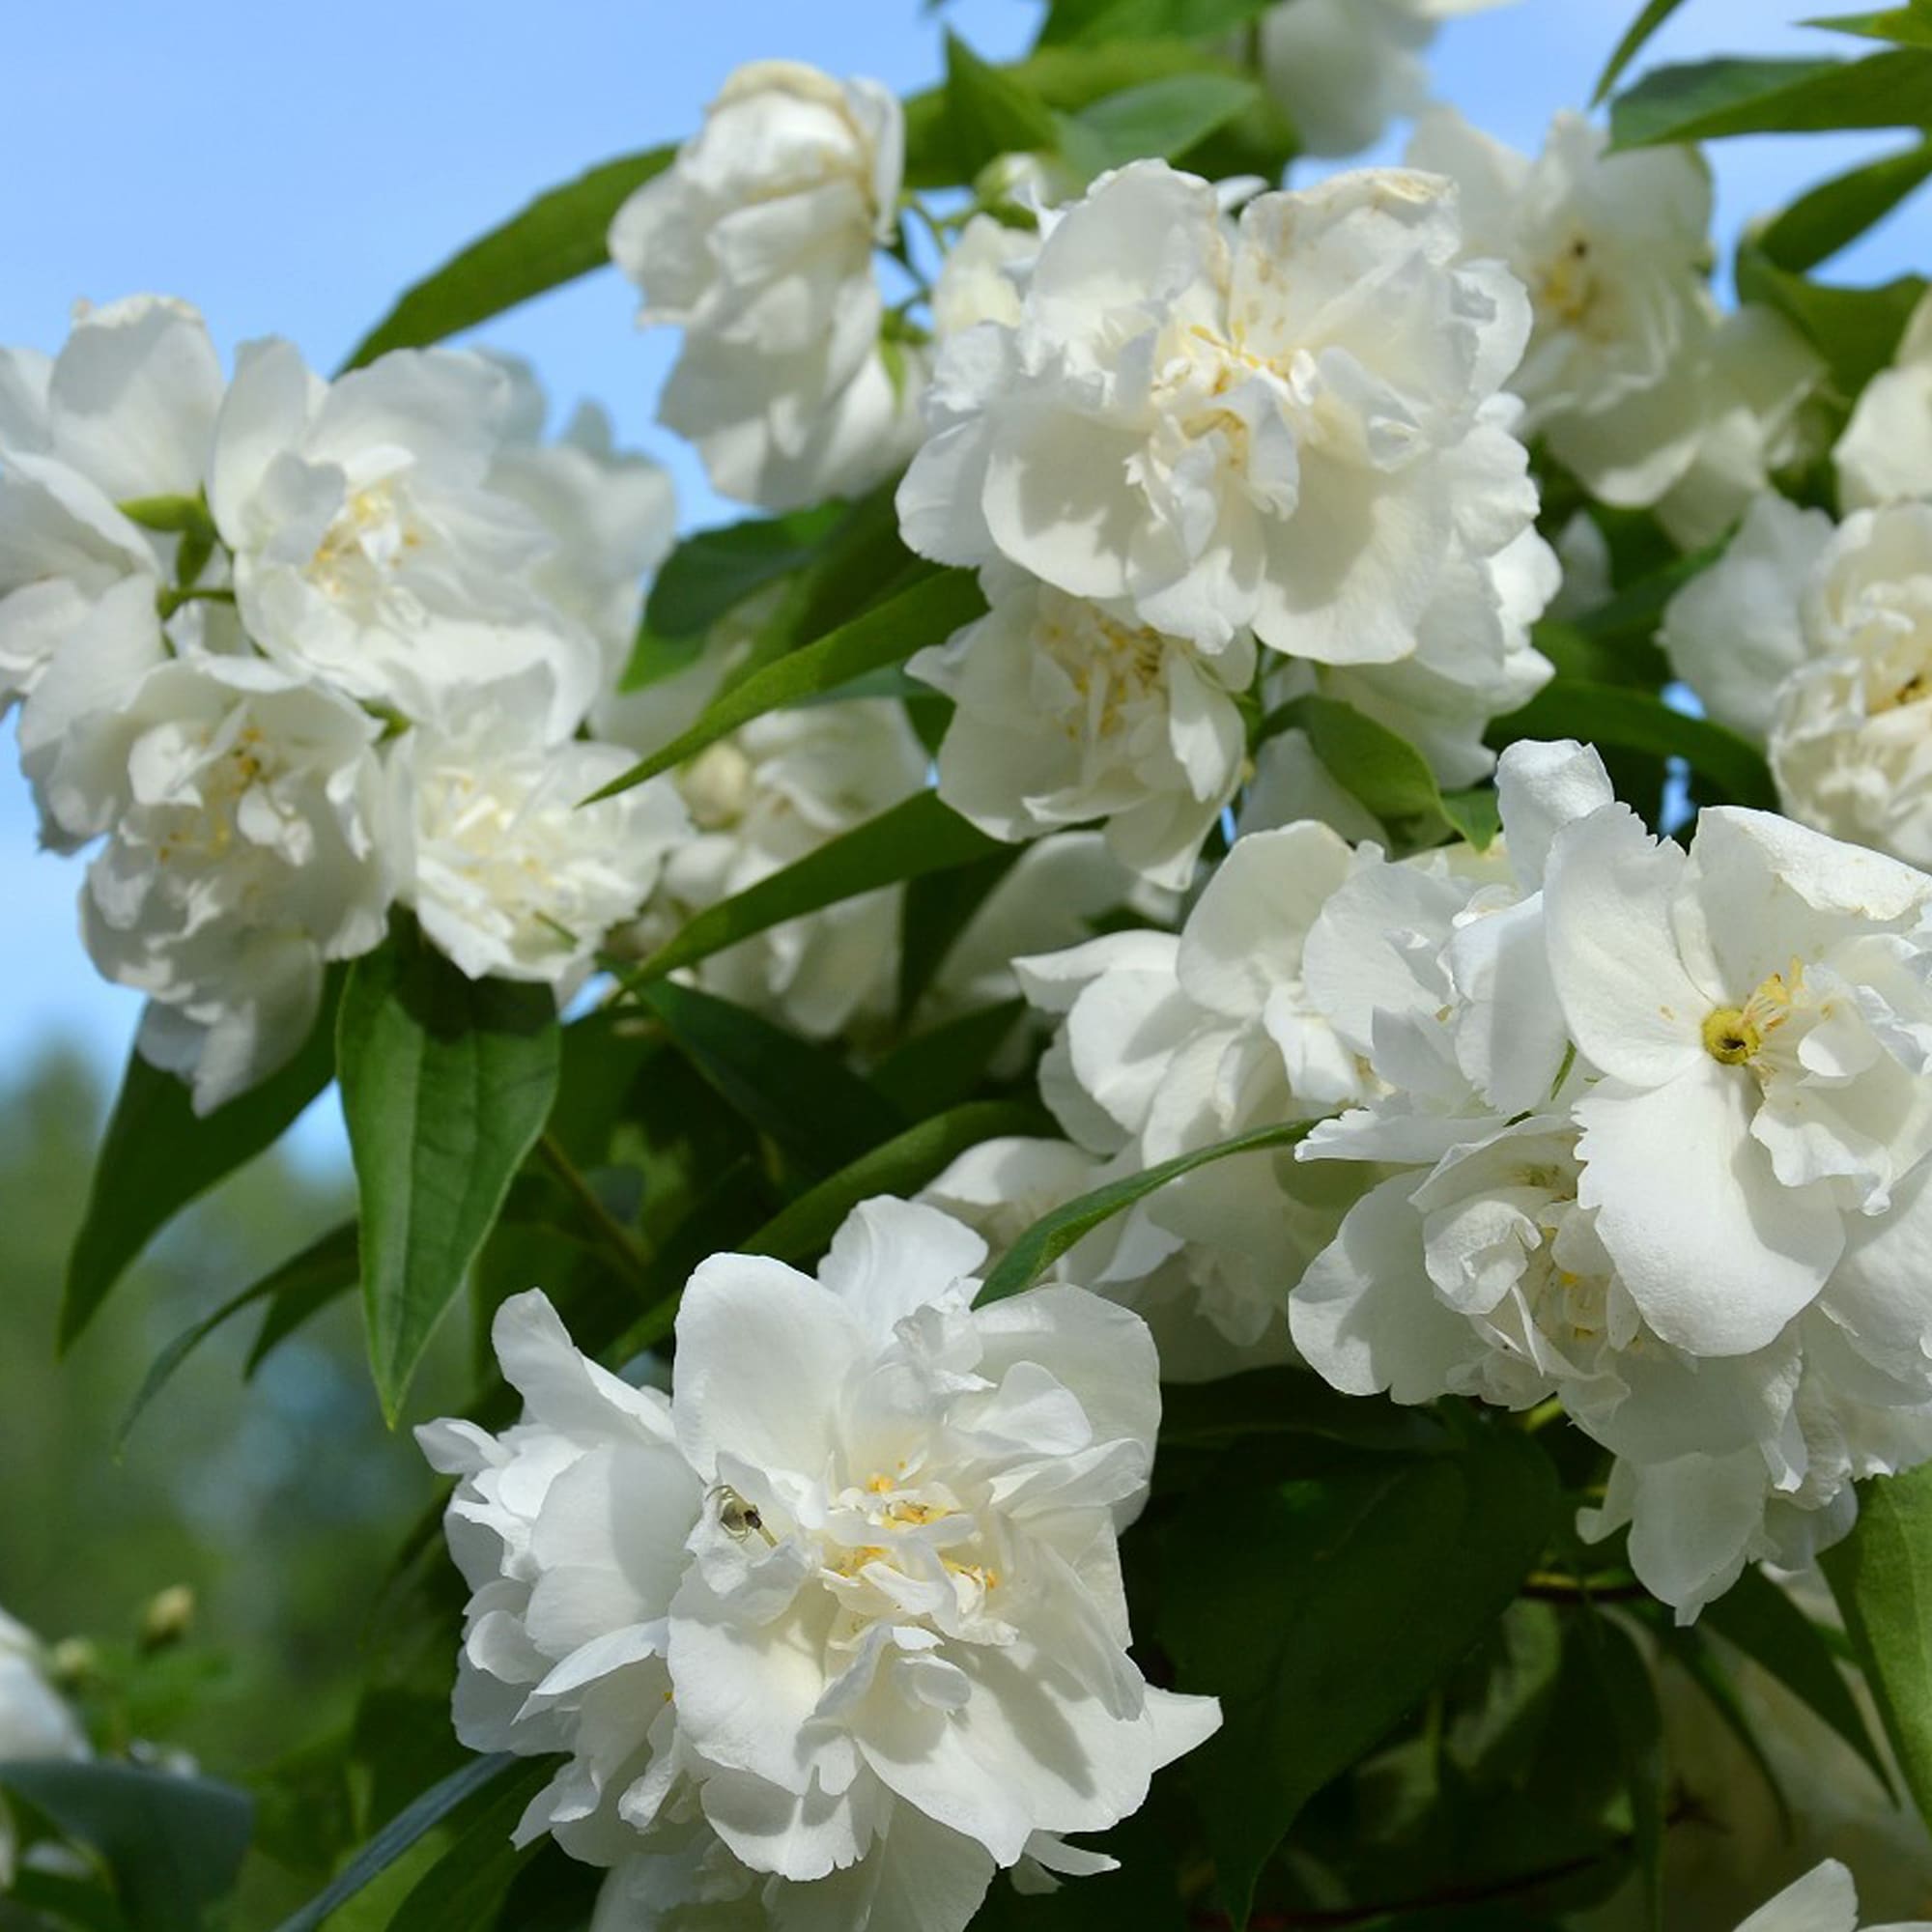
(624, 1246)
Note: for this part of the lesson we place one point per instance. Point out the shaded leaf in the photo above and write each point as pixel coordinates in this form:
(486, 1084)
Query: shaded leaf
(944, 1066)
(1164, 117)
(1286, 1601)
(1817, 225)
(557, 238)
(991, 111)
(1381, 768)
(174, 1845)
(158, 1156)
(459, 1891)
(711, 573)
(1711, 99)
(1855, 330)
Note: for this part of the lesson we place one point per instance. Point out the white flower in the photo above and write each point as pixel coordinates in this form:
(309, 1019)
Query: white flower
(1650, 1136)
(1344, 69)
(976, 280)
(369, 546)
(1069, 713)
(758, 240)
(35, 1719)
(1823, 1901)
(1819, 644)
(763, 798)
(509, 871)
(1638, 383)
(122, 417)
(838, 1630)
(612, 516)
(1886, 451)
(1296, 431)
(248, 846)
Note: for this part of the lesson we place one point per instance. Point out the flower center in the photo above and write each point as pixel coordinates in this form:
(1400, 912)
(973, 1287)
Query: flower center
(1114, 669)
(1737, 1036)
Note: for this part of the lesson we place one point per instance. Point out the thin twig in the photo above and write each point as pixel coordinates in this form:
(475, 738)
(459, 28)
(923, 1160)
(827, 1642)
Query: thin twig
(619, 1238)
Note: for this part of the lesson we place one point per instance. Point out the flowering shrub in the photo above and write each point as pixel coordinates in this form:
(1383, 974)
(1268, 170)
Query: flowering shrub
(1192, 1107)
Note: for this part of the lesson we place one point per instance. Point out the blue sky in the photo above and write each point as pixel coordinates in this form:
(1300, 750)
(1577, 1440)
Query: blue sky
(289, 170)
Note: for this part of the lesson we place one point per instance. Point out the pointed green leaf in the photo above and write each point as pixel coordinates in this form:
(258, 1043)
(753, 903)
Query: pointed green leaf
(1909, 26)
(1632, 44)
(1390, 777)
(991, 110)
(297, 1290)
(1817, 225)
(1052, 1234)
(158, 1154)
(463, 1890)
(1881, 1577)
(557, 238)
(910, 840)
(1712, 100)
(1164, 117)
(803, 1097)
(712, 572)
(1309, 1627)
(926, 613)
(447, 1083)
(1855, 330)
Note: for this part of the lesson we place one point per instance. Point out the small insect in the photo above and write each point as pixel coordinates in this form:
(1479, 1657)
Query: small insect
(739, 1518)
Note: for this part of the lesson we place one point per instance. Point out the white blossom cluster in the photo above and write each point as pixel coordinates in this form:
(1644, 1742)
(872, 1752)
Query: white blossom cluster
(1594, 1118)
(1814, 637)
(289, 652)
(836, 1632)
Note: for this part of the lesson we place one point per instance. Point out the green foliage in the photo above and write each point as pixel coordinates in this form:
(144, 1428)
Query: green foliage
(158, 1154)
(446, 1082)
(1382, 769)
(1817, 225)
(1713, 99)
(172, 1846)
(926, 613)
(1881, 1577)
(1909, 26)
(1632, 44)
(1278, 1600)
(557, 238)
(1165, 116)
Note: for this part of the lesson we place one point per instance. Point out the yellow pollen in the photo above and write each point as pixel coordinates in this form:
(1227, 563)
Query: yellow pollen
(1730, 1037)
(1736, 1034)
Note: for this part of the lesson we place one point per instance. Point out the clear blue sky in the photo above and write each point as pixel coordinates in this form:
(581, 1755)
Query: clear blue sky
(289, 169)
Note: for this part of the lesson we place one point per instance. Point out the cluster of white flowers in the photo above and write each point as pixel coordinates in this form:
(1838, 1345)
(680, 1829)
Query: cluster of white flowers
(1814, 637)
(1594, 1118)
(300, 651)
(1642, 386)
(36, 1722)
(758, 240)
(837, 1632)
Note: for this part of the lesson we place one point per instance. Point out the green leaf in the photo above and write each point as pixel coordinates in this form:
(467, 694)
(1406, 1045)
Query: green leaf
(461, 1890)
(1088, 22)
(298, 1288)
(944, 1066)
(1712, 100)
(446, 1082)
(1769, 1628)
(1881, 1577)
(1296, 1603)
(557, 238)
(1817, 225)
(1052, 1234)
(1909, 26)
(1160, 117)
(1632, 44)
(1630, 1695)
(175, 516)
(409, 1826)
(991, 110)
(926, 613)
(1855, 330)
(912, 839)
(1290, 1401)
(158, 1156)
(710, 574)
(1474, 816)
(1382, 769)
(803, 1097)
(174, 1845)
(1638, 721)
(901, 1166)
